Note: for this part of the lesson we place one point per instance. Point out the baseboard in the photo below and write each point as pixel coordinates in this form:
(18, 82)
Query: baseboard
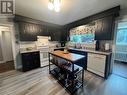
(6, 61)
(10, 61)
(1, 62)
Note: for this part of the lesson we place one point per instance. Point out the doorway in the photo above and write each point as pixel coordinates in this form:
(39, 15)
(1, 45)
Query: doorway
(120, 52)
(6, 53)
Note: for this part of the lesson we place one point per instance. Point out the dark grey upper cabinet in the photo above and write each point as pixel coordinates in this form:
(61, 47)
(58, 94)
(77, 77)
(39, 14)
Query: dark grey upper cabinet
(30, 31)
(104, 28)
(54, 33)
(26, 31)
(98, 32)
(64, 35)
(30, 28)
(45, 31)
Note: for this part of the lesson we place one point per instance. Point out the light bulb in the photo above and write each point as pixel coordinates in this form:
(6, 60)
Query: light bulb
(57, 9)
(50, 6)
(57, 5)
(54, 4)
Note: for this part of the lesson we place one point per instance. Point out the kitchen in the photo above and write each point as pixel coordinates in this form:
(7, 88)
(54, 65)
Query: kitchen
(68, 58)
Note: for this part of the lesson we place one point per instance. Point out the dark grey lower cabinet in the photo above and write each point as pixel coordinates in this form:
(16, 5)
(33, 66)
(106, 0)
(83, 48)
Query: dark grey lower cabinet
(30, 60)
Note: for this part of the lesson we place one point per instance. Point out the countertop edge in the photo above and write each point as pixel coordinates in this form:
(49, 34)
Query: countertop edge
(28, 51)
(91, 51)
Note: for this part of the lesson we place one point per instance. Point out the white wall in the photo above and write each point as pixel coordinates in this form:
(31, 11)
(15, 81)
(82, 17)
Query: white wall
(1, 54)
(16, 51)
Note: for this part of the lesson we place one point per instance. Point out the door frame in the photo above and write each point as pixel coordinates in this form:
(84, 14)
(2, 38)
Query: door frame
(118, 20)
(11, 28)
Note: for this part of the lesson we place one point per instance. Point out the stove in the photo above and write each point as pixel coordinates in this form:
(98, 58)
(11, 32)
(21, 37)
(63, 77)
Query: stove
(43, 55)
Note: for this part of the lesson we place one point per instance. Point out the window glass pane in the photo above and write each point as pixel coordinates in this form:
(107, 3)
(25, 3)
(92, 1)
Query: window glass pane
(121, 36)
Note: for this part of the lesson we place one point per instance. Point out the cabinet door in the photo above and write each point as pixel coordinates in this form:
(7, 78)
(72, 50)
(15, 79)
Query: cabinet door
(44, 30)
(36, 59)
(108, 28)
(22, 31)
(33, 31)
(55, 33)
(98, 32)
(104, 28)
(26, 61)
(64, 35)
(26, 31)
(30, 61)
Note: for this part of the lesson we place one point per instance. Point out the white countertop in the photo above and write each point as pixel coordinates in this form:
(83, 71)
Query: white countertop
(92, 51)
(27, 51)
(85, 50)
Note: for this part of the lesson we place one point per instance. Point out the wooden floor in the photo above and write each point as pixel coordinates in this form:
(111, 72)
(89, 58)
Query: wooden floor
(39, 82)
(6, 66)
(120, 69)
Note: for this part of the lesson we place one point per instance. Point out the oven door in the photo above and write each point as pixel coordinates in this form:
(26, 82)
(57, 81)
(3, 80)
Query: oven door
(44, 56)
(44, 59)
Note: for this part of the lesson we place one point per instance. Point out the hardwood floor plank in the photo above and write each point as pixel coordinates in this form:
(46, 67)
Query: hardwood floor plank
(4, 67)
(39, 82)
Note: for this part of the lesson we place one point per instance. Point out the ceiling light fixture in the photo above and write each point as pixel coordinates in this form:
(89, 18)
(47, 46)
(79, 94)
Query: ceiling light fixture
(54, 5)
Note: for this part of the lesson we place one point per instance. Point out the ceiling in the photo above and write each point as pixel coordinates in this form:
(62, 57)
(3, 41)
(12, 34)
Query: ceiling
(71, 10)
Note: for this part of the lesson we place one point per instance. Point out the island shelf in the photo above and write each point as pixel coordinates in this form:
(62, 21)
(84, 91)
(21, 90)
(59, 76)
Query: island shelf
(68, 74)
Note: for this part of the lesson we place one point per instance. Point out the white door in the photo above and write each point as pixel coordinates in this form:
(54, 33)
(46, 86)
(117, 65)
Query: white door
(7, 46)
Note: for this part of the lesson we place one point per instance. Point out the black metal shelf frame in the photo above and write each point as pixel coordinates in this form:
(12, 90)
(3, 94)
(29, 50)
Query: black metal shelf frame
(73, 87)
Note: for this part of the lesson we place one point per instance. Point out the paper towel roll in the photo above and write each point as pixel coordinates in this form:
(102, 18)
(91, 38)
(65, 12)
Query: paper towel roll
(107, 46)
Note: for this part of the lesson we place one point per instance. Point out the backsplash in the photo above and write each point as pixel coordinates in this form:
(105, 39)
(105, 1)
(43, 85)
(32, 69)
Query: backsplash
(84, 33)
(102, 44)
(92, 46)
(89, 46)
(27, 44)
(24, 45)
(84, 29)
